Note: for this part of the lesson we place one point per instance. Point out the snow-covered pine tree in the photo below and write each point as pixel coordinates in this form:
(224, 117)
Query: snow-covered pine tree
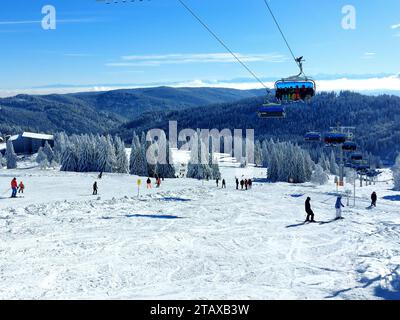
(198, 167)
(396, 174)
(138, 162)
(333, 165)
(60, 144)
(49, 152)
(258, 158)
(42, 159)
(151, 158)
(134, 145)
(69, 159)
(289, 162)
(83, 153)
(324, 163)
(319, 176)
(213, 164)
(11, 157)
(121, 164)
(107, 154)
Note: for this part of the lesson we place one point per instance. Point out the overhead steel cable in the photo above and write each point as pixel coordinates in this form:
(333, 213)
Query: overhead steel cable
(222, 43)
(296, 60)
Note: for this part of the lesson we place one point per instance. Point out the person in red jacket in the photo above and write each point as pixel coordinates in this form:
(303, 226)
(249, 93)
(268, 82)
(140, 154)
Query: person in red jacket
(14, 187)
(21, 187)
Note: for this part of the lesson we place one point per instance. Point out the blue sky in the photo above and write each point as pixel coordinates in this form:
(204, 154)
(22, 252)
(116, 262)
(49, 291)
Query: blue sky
(158, 42)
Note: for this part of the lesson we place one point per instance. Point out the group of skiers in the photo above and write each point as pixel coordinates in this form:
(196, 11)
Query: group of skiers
(15, 187)
(223, 183)
(148, 183)
(158, 182)
(338, 206)
(244, 183)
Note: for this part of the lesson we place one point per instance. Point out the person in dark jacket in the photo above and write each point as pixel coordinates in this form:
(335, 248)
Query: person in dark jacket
(373, 199)
(217, 182)
(237, 183)
(250, 183)
(338, 206)
(242, 183)
(310, 213)
(246, 183)
(223, 184)
(95, 188)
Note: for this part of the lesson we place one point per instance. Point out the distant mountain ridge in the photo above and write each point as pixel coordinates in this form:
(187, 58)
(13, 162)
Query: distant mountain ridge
(95, 112)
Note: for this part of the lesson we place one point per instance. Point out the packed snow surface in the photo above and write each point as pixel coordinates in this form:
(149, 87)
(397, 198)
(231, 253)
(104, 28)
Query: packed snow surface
(189, 239)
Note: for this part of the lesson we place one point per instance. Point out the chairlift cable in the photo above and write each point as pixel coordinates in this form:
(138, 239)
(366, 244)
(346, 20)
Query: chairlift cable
(222, 43)
(280, 30)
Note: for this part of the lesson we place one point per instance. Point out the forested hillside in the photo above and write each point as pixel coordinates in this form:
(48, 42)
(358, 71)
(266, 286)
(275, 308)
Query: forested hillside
(97, 112)
(376, 118)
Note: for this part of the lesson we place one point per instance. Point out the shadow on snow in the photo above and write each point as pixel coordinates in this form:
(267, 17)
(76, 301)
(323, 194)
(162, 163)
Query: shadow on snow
(152, 216)
(392, 198)
(174, 199)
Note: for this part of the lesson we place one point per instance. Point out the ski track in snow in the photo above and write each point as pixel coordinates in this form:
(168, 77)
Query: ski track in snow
(190, 240)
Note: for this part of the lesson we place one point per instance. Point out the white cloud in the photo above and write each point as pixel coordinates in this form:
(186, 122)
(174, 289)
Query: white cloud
(396, 26)
(179, 58)
(377, 84)
(40, 21)
(369, 55)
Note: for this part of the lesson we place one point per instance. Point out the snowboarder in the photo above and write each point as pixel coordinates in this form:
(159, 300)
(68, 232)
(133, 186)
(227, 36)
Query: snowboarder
(217, 182)
(242, 183)
(95, 188)
(373, 199)
(338, 207)
(21, 187)
(223, 184)
(14, 187)
(148, 183)
(310, 213)
(246, 183)
(237, 183)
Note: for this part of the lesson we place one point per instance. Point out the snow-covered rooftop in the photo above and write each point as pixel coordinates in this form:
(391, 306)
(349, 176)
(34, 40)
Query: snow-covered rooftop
(38, 136)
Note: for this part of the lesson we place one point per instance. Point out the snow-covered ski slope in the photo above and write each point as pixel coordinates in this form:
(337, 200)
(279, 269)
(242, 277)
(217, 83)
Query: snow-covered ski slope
(192, 240)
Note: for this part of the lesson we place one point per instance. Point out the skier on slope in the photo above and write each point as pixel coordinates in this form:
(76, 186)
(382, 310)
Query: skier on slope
(95, 188)
(14, 188)
(338, 207)
(374, 197)
(237, 183)
(223, 184)
(246, 183)
(250, 183)
(217, 182)
(310, 213)
(148, 183)
(21, 187)
(242, 183)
